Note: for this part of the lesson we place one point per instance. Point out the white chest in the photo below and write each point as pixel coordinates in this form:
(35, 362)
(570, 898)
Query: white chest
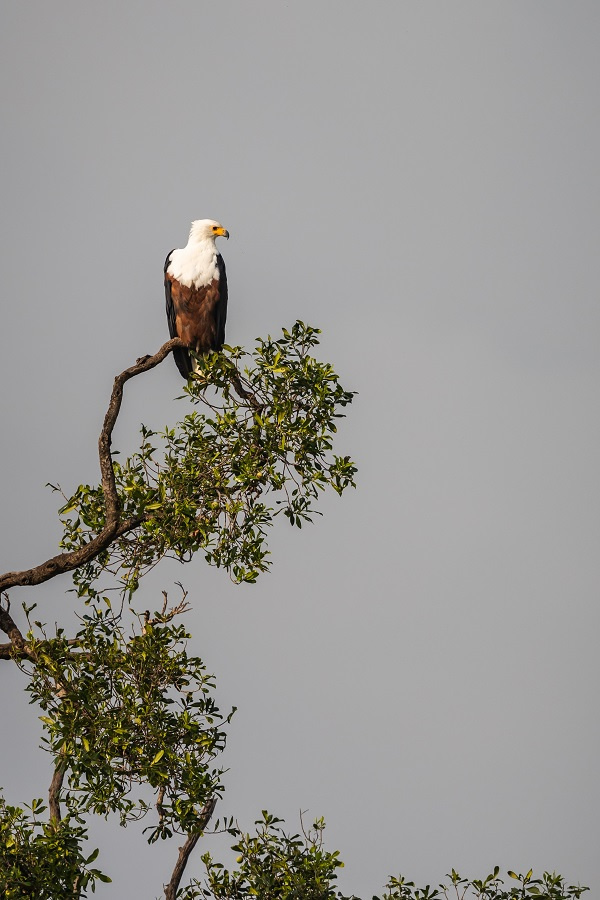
(195, 265)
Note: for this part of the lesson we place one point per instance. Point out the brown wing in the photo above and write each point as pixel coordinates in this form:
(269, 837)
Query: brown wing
(222, 305)
(182, 358)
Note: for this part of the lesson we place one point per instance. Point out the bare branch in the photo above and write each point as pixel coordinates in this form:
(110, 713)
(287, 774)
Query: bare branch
(184, 852)
(54, 792)
(17, 644)
(114, 527)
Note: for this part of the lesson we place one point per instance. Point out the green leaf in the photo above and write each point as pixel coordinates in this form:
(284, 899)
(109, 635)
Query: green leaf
(101, 876)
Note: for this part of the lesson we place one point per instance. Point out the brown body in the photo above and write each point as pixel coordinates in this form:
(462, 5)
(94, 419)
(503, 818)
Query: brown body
(196, 315)
(195, 320)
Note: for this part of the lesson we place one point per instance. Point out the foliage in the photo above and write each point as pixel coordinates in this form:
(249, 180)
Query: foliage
(216, 481)
(121, 711)
(44, 860)
(274, 866)
(549, 887)
(129, 716)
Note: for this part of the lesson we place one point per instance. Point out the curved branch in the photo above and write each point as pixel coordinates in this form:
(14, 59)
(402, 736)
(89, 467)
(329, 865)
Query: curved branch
(66, 562)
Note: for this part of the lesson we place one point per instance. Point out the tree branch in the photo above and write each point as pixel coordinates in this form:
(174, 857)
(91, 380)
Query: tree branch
(66, 562)
(241, 391)
(55, 787)
(184, 852)
(13, 651)
(9, 627)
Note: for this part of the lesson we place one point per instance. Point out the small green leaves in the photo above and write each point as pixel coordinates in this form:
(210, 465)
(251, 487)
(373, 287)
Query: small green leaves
(275, 864)
(44, 860)
(129, 716)
(130, 710)
(548, 887)
(215, 483)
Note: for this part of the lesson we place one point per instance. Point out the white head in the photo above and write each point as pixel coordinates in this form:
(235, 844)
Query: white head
(206, 230)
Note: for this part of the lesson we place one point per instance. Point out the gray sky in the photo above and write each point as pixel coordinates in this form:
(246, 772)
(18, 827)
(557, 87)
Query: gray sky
(420, 181)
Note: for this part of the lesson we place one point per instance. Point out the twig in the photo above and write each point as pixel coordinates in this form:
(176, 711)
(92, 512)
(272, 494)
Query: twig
(113, 527)
(184, 852)
(182, 607)
(159, 804)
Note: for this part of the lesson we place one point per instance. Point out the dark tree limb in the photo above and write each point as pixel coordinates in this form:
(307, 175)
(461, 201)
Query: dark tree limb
(9, 627)
(241, 391)
(66, 562)
(13, 651)
(184, 852)
(55, 788)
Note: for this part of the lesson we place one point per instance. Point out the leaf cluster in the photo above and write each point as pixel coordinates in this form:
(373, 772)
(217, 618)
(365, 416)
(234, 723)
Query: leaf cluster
(550, 886)
(128, 714)
(124, 710)
(44, 860)
(261, 446)
(274, 865)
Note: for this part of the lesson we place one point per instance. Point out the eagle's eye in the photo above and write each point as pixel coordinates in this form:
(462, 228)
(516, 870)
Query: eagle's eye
(214, 227)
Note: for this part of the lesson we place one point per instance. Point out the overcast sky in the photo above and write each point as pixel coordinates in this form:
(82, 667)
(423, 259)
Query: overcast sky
(420, 181)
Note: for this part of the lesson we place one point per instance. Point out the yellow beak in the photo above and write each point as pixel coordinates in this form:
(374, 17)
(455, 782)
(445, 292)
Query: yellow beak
(222, 232)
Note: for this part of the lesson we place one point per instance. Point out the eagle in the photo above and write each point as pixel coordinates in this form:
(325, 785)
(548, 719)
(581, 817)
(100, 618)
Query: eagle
(196, 294)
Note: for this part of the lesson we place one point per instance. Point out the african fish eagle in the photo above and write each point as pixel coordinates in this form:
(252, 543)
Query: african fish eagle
(196, 293)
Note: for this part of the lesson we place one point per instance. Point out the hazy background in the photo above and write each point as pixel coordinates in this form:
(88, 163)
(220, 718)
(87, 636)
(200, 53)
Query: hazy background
(421, 181)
